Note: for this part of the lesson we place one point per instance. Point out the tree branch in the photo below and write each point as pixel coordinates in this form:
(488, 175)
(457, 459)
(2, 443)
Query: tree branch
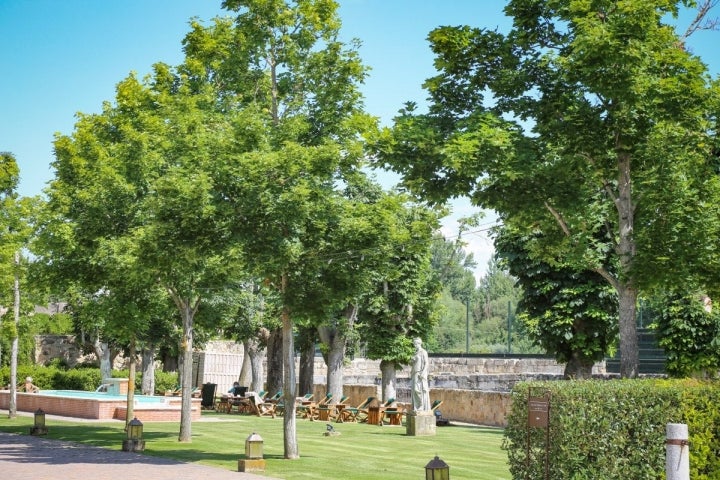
(608, 276)
(558, 218)
(700, 22)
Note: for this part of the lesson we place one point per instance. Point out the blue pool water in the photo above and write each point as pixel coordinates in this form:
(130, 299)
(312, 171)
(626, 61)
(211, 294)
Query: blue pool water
(100, 396)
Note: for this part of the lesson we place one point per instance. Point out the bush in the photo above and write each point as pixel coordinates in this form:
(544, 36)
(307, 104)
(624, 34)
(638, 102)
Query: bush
(88, 379)
(43, 377)
(165, 381)
(614, 429)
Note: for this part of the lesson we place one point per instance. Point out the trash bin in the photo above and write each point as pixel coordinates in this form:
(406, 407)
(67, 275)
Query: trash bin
(208, 395)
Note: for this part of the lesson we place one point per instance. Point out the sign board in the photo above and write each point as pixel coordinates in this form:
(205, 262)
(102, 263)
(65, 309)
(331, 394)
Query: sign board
(538, 412)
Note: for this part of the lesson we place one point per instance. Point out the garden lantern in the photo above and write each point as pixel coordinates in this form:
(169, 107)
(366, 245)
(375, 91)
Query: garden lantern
(135, 429)
(253, 461)
(437, 470)
(134, 441)
(39, 427)
(254, 446)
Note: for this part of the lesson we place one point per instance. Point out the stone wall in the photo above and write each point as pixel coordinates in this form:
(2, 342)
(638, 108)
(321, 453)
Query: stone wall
(63, 347)
(468, 366)
(466, 406)
(473, 388)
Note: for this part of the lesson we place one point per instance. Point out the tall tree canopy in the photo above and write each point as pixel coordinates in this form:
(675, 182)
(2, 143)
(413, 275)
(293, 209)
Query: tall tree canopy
(280, 65)
(133, 204)
(586, 117)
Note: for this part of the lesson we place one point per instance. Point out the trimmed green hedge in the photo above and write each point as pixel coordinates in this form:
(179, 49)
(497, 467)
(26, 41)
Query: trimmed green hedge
(89, 379)
(614, 429)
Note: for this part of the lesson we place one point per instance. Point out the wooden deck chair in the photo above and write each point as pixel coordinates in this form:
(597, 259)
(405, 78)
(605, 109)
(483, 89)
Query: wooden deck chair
(280, 405)
(328, 411)
(263, 409)
(393, 415)
(174, 392)
(275, 398)
(435, 405)
(355, 414)
(376, 418)
(305, 406)
(313, 411)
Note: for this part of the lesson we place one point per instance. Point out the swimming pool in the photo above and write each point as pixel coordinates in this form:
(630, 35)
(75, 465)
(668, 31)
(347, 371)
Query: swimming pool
(104, 396)
(99, 406)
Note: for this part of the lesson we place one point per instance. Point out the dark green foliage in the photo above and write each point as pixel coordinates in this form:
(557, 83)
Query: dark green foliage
(615, 429)
(88, 379)
(571, 313)
(43, 377)
(688, 334)
(164, 381)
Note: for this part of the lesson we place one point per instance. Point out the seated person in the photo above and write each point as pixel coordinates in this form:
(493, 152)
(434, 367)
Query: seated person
(29, 386)
(237, 390)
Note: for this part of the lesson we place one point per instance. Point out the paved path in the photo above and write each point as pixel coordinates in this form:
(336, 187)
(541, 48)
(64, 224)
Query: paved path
(37, 458)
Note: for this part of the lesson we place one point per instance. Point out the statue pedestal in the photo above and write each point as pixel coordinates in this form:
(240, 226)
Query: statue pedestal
(251, 465)
(420, 423)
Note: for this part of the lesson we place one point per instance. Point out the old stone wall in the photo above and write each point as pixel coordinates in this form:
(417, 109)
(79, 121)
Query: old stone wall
(468, 406)
(473, 389)
(63, 347)
(444, 366)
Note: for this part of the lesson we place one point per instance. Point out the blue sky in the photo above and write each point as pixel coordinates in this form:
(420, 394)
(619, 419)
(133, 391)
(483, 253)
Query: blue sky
(60, 57)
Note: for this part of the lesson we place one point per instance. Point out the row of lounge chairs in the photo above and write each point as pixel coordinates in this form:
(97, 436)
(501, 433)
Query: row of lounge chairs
(370, 410)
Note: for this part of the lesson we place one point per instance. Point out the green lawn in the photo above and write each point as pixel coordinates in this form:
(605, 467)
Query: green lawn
(360, 452)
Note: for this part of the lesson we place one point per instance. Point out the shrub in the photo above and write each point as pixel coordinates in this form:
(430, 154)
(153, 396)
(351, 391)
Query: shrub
(43, 377)
(54, 378)
(614, 429)
(165, 381)
(78, 379)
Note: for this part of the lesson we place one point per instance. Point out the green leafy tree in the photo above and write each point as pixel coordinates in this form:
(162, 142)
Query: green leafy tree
(132, 206)
(248, 313)
(571, 314)
(403, 304)
(11, 241)
(281, 66)
(689, 332)
(617, 134)
(453, 266)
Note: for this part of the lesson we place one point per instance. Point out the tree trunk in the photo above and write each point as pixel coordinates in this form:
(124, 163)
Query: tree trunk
(578, 368)
(148, 369)
(389, 380)
(629, 349)
(245, 377)
(336, 340)
(12, 408)
(187, 313)
(289, 431)
(254, 352)
(626, 249)
(335, 359)
(307, 369)
(169, 360)
(130, 412)
(275, 361)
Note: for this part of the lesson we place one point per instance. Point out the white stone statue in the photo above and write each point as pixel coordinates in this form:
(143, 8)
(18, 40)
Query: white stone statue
(419, 377)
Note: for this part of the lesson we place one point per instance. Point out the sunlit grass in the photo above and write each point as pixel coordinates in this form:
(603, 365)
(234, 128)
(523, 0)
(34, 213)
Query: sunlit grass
(360, 452)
